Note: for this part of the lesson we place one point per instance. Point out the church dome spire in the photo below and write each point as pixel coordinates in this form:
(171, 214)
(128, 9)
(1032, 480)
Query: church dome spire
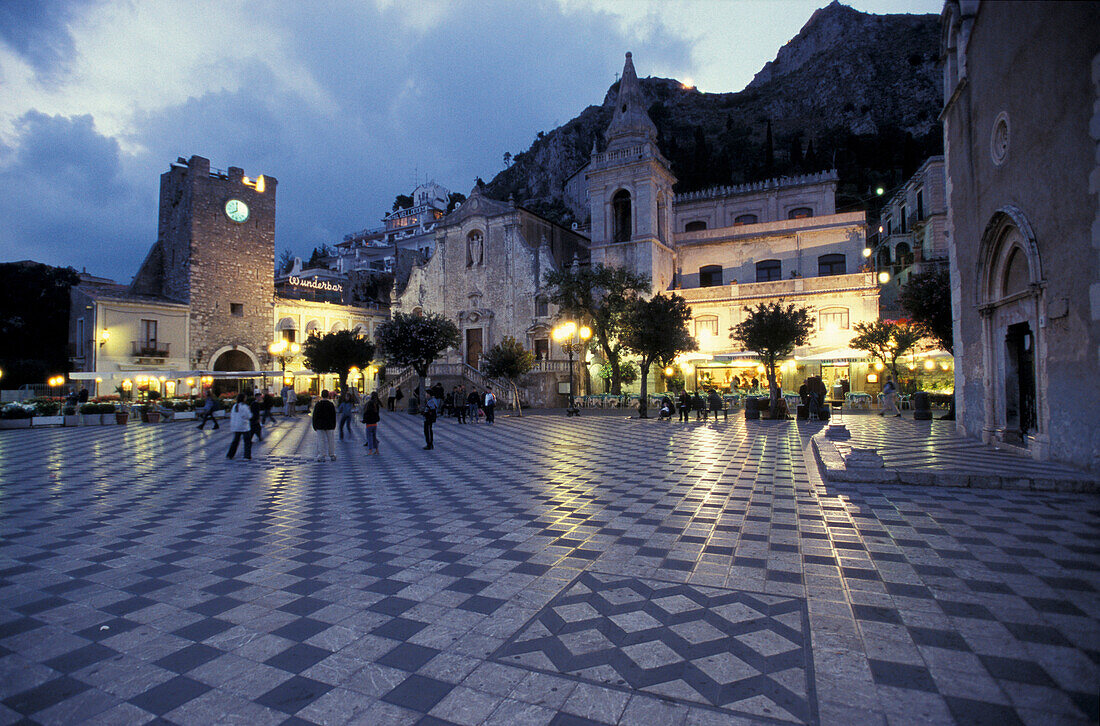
(631, 123)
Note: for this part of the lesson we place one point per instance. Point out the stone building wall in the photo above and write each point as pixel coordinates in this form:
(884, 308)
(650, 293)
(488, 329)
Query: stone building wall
(1020, 95)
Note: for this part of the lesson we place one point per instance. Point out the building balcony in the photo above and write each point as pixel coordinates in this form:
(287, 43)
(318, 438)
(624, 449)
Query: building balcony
(778, 288)
(149, 349)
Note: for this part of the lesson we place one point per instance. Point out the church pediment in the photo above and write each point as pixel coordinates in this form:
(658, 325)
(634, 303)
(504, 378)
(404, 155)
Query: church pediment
(478, 205)
(475, 315)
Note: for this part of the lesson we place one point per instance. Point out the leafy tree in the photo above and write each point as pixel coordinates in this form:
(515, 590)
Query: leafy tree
(656, 329)
(319, 254)
(402, 201)
(284, 263)
(602, 296)
(509, 360)
(507, 159)
(337, 353)
(628, 373)
(887, 340)
(927, 299)
(417, 341)
(773, 331)
(453, 200)
(34, 321)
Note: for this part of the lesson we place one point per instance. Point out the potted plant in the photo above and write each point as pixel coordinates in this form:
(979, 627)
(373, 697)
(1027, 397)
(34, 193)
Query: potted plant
(90, 414)
(47, 413)
(16, 416)
(181, 410)
(122, 415)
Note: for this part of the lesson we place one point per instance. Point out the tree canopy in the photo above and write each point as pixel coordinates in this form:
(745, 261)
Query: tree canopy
(600, 296)
(416, 340)
(337, 353)
(402, 201)
(927, 299)
(656, 329)
(509, 360)
(772, 331)
(887, 340)
(34, 324)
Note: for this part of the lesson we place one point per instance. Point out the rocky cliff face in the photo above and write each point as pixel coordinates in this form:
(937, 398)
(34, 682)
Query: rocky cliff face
(852, 91)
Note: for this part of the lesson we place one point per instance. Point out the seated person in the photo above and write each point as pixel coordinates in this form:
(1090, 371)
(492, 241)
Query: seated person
(666, 409)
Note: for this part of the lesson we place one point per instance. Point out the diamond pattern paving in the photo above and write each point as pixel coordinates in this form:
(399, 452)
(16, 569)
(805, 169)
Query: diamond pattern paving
(707, 645)
(599, 570)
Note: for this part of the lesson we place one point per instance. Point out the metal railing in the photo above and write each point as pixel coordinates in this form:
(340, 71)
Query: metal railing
(149, 349)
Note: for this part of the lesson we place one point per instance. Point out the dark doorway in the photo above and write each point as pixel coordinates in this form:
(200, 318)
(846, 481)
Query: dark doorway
(620, 214)
(1020, 403)
(231, 360)
(473, 346)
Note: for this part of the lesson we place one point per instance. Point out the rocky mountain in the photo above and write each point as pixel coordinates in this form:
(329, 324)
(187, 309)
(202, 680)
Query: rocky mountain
(852, 91)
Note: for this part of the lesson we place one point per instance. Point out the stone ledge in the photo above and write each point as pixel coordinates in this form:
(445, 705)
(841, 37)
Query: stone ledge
(834, 469)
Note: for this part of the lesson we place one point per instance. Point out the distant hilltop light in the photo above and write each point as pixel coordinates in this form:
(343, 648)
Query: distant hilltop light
(689, 83)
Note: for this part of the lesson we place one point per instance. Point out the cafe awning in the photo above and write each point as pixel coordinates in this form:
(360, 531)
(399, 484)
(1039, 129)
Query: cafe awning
(837, 355)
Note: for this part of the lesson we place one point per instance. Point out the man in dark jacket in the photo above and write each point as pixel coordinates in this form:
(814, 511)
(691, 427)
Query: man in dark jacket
(324, 423)
(256, 407)
(699, 405)
(208, 410)
(685, 404)
(473, 405)
(268, 404)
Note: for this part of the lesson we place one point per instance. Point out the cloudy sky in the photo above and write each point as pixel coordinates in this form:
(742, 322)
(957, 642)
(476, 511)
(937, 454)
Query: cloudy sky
(346, 102)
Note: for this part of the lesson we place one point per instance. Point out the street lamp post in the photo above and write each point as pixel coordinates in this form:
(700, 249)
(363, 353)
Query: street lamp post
(572, 339)
(284, 351)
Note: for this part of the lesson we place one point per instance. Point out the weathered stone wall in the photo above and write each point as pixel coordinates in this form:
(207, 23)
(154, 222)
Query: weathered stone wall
(770, 201)
(1031, 65)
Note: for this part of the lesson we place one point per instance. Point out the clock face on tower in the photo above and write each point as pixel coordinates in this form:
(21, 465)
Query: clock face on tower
(236, 210)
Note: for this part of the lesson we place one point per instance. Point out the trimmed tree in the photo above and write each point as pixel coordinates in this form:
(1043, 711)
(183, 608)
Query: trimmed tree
(600, 296)
(887, 340)
(337, 353)
(656, 329)
(509, 360)
(927, 299)
(772, 331)
(417, 341)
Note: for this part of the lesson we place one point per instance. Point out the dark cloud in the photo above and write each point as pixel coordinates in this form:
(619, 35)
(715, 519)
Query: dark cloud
(38, 30)
(65, 201)
(387, 104)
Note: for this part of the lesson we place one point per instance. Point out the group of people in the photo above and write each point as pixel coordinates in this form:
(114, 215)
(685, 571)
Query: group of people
(688, 402)
(246, 419)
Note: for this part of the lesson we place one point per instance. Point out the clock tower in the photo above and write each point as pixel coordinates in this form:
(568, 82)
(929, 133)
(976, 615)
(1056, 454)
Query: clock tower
(215, 251)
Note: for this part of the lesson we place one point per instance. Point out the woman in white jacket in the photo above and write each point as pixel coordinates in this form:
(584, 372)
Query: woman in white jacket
(239, 423)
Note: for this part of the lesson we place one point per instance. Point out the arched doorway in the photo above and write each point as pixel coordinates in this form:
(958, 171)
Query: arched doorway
(228, 360)
(1011, 302)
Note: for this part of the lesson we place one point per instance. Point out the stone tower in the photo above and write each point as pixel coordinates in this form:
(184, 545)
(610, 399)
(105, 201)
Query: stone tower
(215, 251)
(630, 191)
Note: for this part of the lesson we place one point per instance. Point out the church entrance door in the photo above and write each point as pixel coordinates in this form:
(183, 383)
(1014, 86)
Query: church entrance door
(473, 347)
(1019, 383)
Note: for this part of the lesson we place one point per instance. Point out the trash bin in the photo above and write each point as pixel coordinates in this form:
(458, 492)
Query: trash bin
(922, 407)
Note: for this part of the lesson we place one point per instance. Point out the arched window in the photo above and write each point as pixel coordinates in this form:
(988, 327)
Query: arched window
(697, 226)
(706, 325)
(338, 325)
(621, 217)
(833, 319)
(313, 327)
(884, 257)
(903, 255)
(475, 248)
(1017, 274)
(768, 270)
(800, 213)
(745, 219)
(542, 306)
(831, 265)
(287, 329)
(710, 275)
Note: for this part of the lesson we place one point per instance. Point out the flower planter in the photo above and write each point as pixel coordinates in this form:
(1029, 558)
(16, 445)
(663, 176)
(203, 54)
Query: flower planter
(121, 417)
(150, 417)
(15, 423)
(91, 419)
(38, 421)
(183, 416)
(72, 419)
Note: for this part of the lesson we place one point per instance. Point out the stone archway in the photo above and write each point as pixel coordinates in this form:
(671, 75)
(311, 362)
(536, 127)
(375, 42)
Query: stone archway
(1011, 302)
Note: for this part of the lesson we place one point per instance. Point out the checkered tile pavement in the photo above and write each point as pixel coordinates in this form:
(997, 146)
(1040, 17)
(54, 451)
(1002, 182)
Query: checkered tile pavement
(540, 571)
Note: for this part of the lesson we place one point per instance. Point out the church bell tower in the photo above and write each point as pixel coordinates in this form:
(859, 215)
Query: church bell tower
(630, 191)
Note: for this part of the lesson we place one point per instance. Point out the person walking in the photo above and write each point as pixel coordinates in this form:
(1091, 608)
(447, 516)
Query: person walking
(699, 405)
(240, 422)
(208, 409)
(268, 404)
(460, 404)
(685, 404)
(397, 400)
(473, 405)
(715, 402)
(890, 398)
(490, 405)
(289, 400)
(391, 400)
(372, 414)
(256, 407)
(324, 423)
(345, 409)
(430, 412)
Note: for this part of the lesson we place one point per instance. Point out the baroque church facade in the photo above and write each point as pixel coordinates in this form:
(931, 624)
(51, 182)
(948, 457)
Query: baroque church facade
(721, 249)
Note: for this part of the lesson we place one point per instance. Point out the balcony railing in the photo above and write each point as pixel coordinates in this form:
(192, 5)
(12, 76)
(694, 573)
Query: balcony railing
(149, 349)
